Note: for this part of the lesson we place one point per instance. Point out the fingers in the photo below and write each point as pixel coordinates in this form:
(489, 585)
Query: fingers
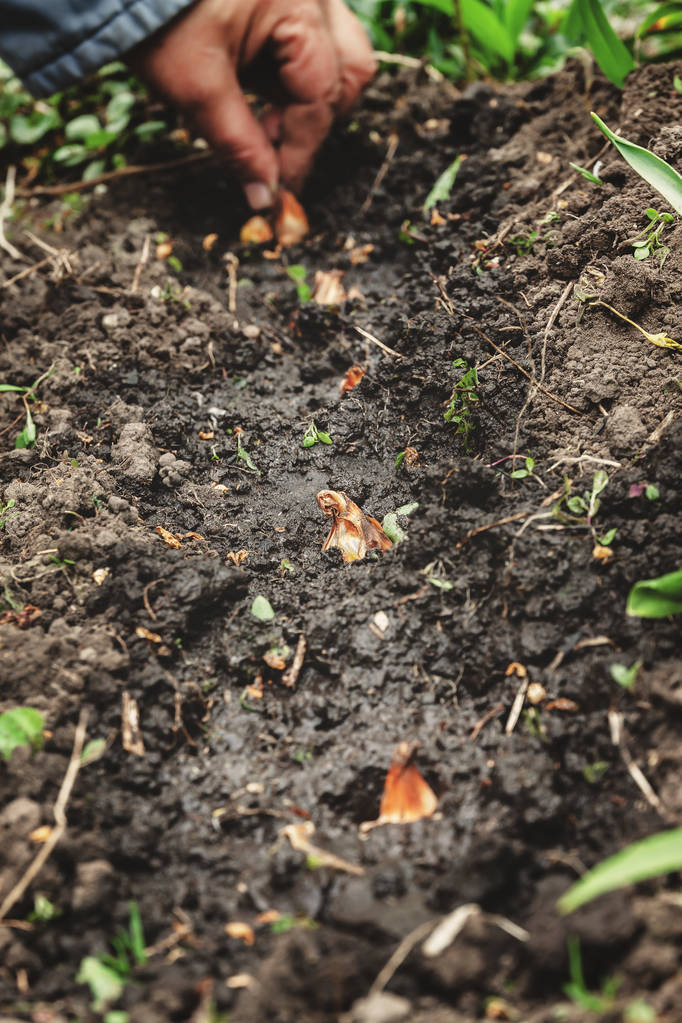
(304, 128)
(357, 64)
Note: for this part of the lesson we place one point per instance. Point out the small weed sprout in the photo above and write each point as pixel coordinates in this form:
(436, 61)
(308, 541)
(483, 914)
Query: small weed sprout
(27, 437)
(298, 274)
(463, 401)
(5, 511)
(21, 726)
(574, 509)
(107, 974)
(648, 242)
(587, 174)
(313, 436)
(625, 676)
(576, 989)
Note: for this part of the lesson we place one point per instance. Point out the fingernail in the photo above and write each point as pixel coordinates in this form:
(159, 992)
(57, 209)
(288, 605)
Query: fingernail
(258, 195)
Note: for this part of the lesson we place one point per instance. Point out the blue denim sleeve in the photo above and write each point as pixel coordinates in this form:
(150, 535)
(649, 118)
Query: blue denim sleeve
(50, 44)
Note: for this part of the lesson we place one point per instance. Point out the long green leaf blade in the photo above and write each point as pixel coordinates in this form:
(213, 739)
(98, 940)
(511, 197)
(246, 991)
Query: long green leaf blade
(516, 13)
(656, 598)
(487, 29)
(609, 51)
(653, 856)
(656, 172)
(670, 11)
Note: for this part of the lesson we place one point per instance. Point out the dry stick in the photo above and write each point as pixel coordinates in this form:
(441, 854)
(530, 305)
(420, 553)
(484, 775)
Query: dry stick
(517, 707)
(5, 210)
(491, 525)
(413, 62)
(138, 269)
(59, 815)
(381, 174)
(526, 374)
(376, 341)
(635, 772)
(122, 172)
(550, 323)
(26, 271)
(290, 677)
(400, 955)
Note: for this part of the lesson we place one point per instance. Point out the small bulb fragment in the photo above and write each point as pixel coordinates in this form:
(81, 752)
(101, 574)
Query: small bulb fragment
(352, 378)
(407, 796)
(291, 223)
(255, 231)
(353, 532)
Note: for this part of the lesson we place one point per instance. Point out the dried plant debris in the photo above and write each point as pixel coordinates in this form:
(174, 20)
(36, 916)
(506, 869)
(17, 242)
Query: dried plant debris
(353, 532)
(287, 223)
(407, 796)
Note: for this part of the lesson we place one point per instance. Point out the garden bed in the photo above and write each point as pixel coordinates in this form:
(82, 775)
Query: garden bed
(180, 398)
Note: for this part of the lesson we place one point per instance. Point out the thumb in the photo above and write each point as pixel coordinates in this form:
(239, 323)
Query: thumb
(226, 121)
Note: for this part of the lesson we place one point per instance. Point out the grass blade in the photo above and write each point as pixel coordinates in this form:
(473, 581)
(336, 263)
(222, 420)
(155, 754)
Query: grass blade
(516, 13)
(658, 854)
(609, 51)
(443, 186)
(669, 14)
(656, 172)
(487, 29)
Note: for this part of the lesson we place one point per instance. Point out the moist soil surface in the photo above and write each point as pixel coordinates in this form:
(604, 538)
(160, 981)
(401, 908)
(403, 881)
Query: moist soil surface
(179, 397)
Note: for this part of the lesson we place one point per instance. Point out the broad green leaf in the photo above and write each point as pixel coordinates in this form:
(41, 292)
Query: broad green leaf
(623, 675)
(81, 127)
(118, 110)
(93, 170)
(656, 598)
(149, 129)
(653, 856)
(656, 172)
(482, 22)
(610, 53)
(93, 750)
(599, 481)
(516, 14)
(71, 154)
(262, 609)
(22, 726)
(104, 983)
(27, 129)
(443, 185)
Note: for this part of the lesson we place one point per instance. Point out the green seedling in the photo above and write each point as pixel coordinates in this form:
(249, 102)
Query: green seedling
(43, 910)
(392, 527)
(655, 171)
(244, 456)
(639, 1011)
(623, 675)
(298, 274)
(21, 726)
(661, 340)
(592, 773)
(648, 242)
(436, 576)
(574, 509)
(107, 974)
(27, 437)
(286, 922)
(286, 566)
(523, 243)
(577, 990)
(587, 174)
(656, 598)
(92, 751)
(6, 509)
(651, 857)
(463, 401)
(261, 608)
(313, 436)
(443, 186)
(526, 472)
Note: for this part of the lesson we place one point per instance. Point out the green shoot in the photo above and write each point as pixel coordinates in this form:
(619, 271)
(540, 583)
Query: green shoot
(463, 400)
(576, 988)
(655, 171)
(107, 974)
(244, 456)
(653, 856)
(648, 241)
(587, 174)
(443, 186)
(587, 22)
(392, 527)
(298, 273)
(656, 598)
(43, 910)
(261, 608)
(623, 675)
(314, 436)
(5, 509)
(522, 474)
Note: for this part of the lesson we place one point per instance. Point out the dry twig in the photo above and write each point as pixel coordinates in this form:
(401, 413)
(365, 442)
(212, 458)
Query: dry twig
(5, 211)
(376, 341)
(391, 148)
(122, 172)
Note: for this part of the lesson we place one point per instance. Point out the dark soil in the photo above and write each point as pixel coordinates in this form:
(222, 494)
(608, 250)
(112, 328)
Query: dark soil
(137, 428)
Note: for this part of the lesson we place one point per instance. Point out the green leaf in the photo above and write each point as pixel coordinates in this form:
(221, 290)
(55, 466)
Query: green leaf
(652, 492)
(623, 675)
(608, 537)
(12, 387)
(440, 584)
(22, 726)
(656, 598)
(484, 24)
(81, 127)
(588, 175)
(3, 135)
(659, 854)
(610, 53)
(27, 437)
(576, 505)
(262, 609)
(392, 529)
(118, 110)
(407, 509)
(445, 6)
(443, 186)
(93, 750)
(677, 83)
(27, 129)
(309, 442)
(400, 458)
(104, 983)
(656, 172)
(93, 170)
(71, 154)
(149, 129)
(297, 272)
(670, 12)
(516, 14)
(324, 437)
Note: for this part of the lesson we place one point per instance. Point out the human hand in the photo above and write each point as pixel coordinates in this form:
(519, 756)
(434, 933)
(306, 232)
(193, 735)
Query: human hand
(309, 58)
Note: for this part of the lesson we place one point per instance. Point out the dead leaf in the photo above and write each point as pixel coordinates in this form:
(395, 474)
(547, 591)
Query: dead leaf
(328, 287)
(241, 931)
(543, 157)
(353, 532)
(240, 980)
(143, 633)
(274, 660)
(411, 457)
(131, 737)
(255, 231)
(360, 254)
(41, 834)
(515, 668)
(168, 538)
(238, 557)
(299, 836)
(291, 223)
(436, 218)
(193, 536)
(206, 434)
(23, 618)
(352, 378)
(407, 797)
(209, 241)
(562, 703)
(255, 690)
